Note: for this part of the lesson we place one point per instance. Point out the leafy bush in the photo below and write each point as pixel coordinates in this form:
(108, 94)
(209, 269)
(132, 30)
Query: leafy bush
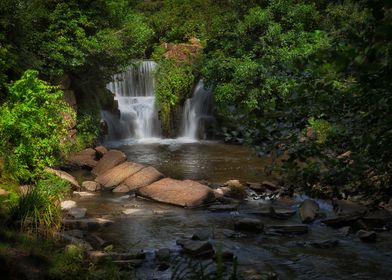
(87, 130)
(33, 126)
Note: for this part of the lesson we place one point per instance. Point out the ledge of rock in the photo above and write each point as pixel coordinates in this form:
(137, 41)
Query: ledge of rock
(108, 161)
(65, 176)
(85, 158)
(113, 177)
(185, 193)
(143, 178)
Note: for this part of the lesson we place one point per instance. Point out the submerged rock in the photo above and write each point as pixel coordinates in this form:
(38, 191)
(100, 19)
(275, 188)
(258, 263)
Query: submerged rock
(308, 211)
(108, 161)
(249, 225)
(185, 193)
(142, 178)
(116, 175)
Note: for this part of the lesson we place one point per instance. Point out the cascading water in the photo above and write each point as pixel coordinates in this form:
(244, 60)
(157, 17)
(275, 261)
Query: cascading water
(197, 114)
(134, 92)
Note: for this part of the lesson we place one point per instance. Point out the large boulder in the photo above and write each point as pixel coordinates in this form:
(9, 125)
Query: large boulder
(308, 211)
(65, 176)
(143, 178)
(85, 158)
(185, 193)
(115, 176)
(108, 161)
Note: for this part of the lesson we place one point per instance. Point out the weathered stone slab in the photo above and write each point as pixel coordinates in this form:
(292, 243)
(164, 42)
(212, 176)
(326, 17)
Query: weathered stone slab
(185, 193)
(143, 178)
(65, 176)
(115, 176)
(108, 161)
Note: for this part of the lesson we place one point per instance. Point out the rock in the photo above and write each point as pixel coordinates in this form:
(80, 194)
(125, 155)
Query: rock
(249, 225)
(233, 184)
(65, 176)
(111, 159)
(196, 248)
(132, 211)
(3, 192)
(83, 194)
(86, 224)
(325, 244)
(346, 207)
(257, 187)
(116, 175)
(237, 190)
(163, 254)
(308, 211)
(223, 208)
(100, 151)
(377, 218)
(272, 212)
(269, 185)
(367, 236)
(67, 204)
(289, 229)
(77, 213)
(98, 256)
(96, 241)
(121, 189)
(85, 158)
(73, 240)
(341, 221)
(185, 193)
(91, 186)
(202, 235)
(143, 178)
(222, 191)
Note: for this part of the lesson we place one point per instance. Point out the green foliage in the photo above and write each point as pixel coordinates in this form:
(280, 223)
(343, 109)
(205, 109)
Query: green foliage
(32, 126)
(173, 84)
(87, 130)
(38, 209)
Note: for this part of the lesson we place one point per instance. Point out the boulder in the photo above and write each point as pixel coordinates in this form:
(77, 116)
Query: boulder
(65, 176)
(185, 193)
(91, 186)
(308, 211)
(100, 151)
(144, 177)
(85, 158)
(111, 159)
(67, 204)
(289, 229)
(367, 236)
(116, 175)
(249, 225)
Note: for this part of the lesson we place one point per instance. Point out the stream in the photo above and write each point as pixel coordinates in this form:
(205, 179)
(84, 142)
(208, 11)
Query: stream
(150, 226)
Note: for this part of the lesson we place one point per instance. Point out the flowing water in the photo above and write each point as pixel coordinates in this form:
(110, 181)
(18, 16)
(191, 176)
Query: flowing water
(151, 226)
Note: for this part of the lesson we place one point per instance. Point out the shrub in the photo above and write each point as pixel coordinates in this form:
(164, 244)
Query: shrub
(33, 126)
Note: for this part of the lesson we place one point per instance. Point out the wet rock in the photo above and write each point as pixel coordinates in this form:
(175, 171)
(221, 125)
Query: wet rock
(223, 208)
(377, 218)
(85, 158)
(257, 187)
(67, 204)
(121, 189)
(65, 176)
(269, 185)
(77, 213)
(83, 194)
(196, 248)
(86, 224)
(163, 254)
(144, 177)
(237, 190)
(222, 191)
(289, 229)
(202, 235)
(325, 244)
(100, 151)
(111, 159)
(276, 213)
(249, 225)
(116, 175)
(308, 211)
(341, 221)
(91, 186)
(367, 236)
(347, 208)
(185, 193)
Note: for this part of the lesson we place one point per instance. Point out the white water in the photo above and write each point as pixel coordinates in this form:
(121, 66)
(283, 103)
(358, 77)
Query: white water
(197, 111)
(134, 92)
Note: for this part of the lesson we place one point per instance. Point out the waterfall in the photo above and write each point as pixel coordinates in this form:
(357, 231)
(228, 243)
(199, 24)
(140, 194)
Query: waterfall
(197, 116)
(134, 92)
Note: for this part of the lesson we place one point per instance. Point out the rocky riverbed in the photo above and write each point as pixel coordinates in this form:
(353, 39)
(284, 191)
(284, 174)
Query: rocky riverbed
(135, 216)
